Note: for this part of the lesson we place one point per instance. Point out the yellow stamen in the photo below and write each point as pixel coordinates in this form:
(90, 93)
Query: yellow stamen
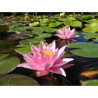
(47, 53)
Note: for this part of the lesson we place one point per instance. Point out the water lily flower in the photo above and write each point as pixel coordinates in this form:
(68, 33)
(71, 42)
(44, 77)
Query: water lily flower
(46, 59)
(66, 33)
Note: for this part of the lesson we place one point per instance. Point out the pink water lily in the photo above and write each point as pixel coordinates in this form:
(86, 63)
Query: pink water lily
(46, 59)
(66, 33)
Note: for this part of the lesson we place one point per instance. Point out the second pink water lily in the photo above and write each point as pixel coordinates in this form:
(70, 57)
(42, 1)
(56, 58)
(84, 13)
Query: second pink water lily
(65, 33)
(46, 59)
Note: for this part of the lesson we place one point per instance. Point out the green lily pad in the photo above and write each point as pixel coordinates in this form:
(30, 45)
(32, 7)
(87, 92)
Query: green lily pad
(70, 18)
(35, 24)
(93, 27)
(37, 30)
(90, 83)
(25, 48)
(56, 24)
(86, 17)
(92, 21)
(73, 23)
(8, 64)
(44, 35)
(32, 40)
(85, 49)
(17, 80)
(2, 56)
(44, 21)
(93, 36)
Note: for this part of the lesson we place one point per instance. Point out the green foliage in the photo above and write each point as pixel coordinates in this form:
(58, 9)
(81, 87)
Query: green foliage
(90, 83)
(72, 22)
(17, 80)
(85, 49)
(2, 56)
(8, 64)
(92, 27)
(35, 24)
(56, 24)
(93, 36)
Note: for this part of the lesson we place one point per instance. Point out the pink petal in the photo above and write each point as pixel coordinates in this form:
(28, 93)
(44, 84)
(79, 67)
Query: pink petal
(25, 65)
(73, 30)
(42, 46)
(27, 56)
(34, 50)
(68, 29)
(67, 65)
(52, 46)
(60, 52)
(58, 70)
(61, 62)
(41, 73)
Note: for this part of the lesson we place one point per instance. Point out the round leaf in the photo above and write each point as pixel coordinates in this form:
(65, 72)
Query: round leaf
(17, 80)
(90, 83)
(3, 56)
(8, 64)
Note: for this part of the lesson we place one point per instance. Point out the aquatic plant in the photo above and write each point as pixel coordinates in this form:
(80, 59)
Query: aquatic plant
(66, 33)
(46, 59)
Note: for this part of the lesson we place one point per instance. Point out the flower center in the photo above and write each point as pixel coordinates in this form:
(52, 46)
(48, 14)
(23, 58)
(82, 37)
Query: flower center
(47, 52)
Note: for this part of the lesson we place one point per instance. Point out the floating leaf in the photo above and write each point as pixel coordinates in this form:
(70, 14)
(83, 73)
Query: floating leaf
(25, 48)
(17, 80)
(44, 21)
(44, 35)
(85, 49)
(3, 56)
(32, 40)
(56, 24)
(37, 30)
(92, 21)
(93, 36)
(8, 64)
(73, 23)
(35, 24)
(90, 83)
(93, 27)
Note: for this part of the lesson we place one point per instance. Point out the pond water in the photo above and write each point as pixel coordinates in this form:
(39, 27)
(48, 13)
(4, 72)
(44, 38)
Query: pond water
(31, 28)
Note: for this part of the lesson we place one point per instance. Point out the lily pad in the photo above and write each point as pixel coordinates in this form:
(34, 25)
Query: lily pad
(35, 24)
(73, 23)
(23, 49)
(8, 64)
(90, 83)
(85, 49)
(37, 30)
(44, 35)
(32, 40)
(92, 21)
(44, 21)
(17, 80)
(3, 56)
(56, 24)
(93, 36)
(93, 27)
